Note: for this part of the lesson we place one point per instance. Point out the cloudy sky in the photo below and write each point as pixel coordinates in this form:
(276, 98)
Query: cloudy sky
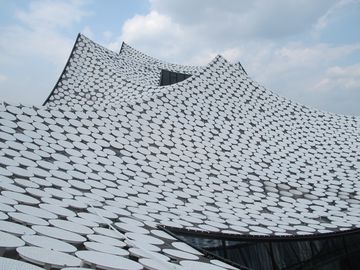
(306, 50)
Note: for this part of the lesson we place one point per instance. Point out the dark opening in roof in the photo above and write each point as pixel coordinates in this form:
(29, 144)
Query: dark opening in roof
(170, 77)
(339, 251)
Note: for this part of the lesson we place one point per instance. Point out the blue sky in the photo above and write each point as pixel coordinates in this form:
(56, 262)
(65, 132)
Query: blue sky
(308, 51)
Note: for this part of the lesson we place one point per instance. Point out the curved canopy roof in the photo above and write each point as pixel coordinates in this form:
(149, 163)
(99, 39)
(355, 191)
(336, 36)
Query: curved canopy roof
(215, 153)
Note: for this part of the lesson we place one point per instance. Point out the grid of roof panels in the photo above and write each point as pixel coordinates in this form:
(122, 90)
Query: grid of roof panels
(90, 178)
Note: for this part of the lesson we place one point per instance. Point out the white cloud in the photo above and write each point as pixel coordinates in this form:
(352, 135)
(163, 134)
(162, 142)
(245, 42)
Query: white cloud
(232, 54)
(270, 62)
(312, 55)
(152, 31)
(52, 14)
(34, 49)
(139, 27)
(107, 34)
(336, 77)
(87, 32)
(324, 20)
(233, 18)
(175, 31)
(267, 37)
(307, 74)
(38, 31)
(2, 78)
(17, 43)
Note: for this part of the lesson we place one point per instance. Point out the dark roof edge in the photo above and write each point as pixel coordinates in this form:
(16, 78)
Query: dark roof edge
(228, 236)
(242, 68)
(62, 73)
(121, 48)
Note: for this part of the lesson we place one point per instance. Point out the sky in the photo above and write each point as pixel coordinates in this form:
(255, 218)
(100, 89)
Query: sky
(305, 50)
